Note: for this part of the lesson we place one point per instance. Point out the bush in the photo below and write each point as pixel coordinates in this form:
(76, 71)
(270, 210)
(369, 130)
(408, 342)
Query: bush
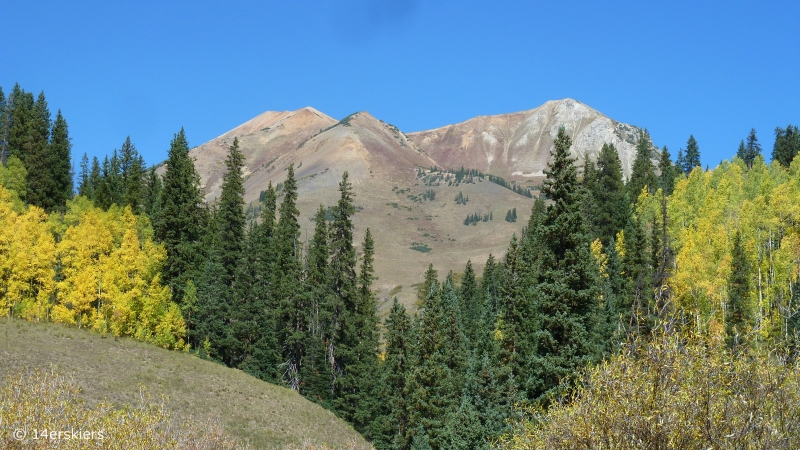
(674, 392)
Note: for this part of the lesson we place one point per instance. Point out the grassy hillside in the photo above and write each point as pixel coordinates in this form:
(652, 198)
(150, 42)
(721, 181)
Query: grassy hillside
(265, 415)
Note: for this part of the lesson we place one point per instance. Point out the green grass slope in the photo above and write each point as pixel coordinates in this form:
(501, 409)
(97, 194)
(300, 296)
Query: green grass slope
(265, 415)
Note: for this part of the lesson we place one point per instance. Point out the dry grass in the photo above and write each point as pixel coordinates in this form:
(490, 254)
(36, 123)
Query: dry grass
(111, 370)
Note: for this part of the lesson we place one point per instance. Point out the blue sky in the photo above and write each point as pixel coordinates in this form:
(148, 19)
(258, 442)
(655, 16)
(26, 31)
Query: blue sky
(148, 68)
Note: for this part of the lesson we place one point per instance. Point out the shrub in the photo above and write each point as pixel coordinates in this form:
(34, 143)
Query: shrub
(674, 392)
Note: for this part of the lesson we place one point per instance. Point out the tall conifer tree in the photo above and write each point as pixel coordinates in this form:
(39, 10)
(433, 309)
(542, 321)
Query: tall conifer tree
(60, 153)
(642, 173)
(566, 292)
(231, 212)
(181, 217)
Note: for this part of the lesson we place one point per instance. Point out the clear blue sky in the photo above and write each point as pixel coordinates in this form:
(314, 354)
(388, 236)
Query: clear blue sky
(148, 68)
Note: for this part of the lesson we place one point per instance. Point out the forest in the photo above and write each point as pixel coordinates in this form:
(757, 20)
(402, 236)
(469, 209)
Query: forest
(610, 283)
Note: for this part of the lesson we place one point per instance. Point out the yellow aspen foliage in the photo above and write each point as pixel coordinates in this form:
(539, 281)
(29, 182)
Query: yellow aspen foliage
(108, 271)
(28, 250)
(600, 257)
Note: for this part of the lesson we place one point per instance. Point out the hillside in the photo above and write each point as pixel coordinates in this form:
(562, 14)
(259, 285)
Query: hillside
(411, 229)
(253, 411)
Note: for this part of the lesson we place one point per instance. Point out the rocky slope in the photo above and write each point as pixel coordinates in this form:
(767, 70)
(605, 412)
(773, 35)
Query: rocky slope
(518, 145)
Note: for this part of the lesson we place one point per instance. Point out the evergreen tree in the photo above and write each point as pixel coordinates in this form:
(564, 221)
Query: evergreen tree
(254, 345)
(316, 377)
(470, 303)
(358, 385)
(84, 188)
(607, 193)
(692, 157)
(95, 178)
(636, 265)
(151, 193)
(21, 118)
(41, 186)
(231, 212)
(60, 151)
(753, 148)
(212, 334)
(436, 380)
(292, 311)
(737, 316)
(566, 292)
(666, 172)
(132, 173)
(642, 173)
(181, 217)
(391, 428)
(787, 145)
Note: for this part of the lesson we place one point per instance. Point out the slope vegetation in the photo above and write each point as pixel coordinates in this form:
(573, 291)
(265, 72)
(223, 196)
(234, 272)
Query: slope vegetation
(265, 415)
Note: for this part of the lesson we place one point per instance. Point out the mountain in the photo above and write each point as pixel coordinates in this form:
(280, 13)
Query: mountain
(411, 209)
(517, 145)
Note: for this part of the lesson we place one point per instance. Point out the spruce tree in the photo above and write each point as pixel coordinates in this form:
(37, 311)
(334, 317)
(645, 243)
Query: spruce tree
(436, 380)
(151, 193)
(84, 188)
(21, 116)
(753, 148)
(358, 385)
(316, 377)
(787, 145)
(60, 152)
(231, 212)
(181, 217)
(692, 157)
(391, 428)
(212, 318)
(40, 183)
(666, 172)
(132, 173)
(607, 194)
(292, 313)
(95, 178)
(642, 173)
(737, 312)
(566, 292)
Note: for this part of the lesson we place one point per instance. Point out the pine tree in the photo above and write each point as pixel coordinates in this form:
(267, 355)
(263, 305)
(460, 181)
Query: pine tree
(666, 172)
(692, 157)
(231, 212)
(642, 174)
(566, 292)
(60, 151)
(787, 145)
(181, 217)
(470, 303)
(737, 316)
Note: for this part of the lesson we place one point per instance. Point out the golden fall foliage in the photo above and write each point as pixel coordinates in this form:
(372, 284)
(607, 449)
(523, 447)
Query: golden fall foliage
(86, 267)
(705, 211)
